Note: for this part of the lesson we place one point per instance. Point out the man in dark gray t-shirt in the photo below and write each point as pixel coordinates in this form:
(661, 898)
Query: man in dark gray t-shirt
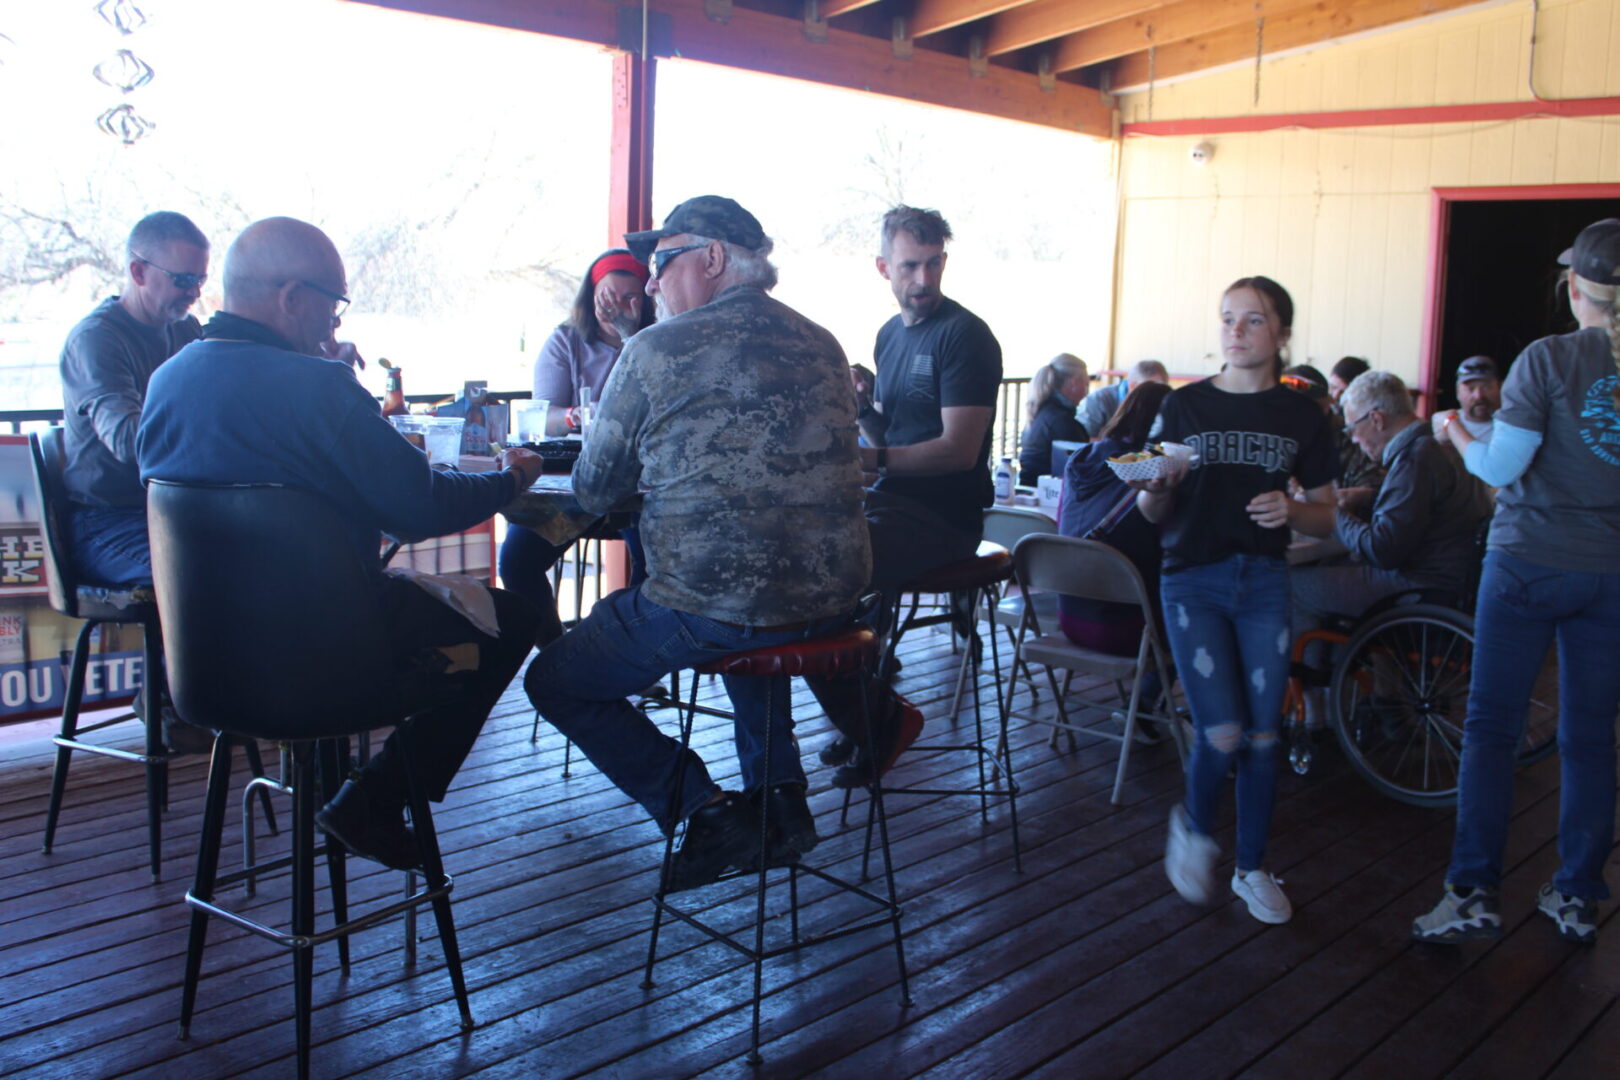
(107, 362)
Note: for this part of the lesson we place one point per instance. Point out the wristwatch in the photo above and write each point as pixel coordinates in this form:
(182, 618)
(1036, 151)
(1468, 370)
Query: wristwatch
(883, 461)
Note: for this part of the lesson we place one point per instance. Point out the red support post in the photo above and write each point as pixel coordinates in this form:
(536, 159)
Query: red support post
(631, 156)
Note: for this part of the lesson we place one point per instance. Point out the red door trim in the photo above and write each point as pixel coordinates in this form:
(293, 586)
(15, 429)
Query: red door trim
(1440, 231)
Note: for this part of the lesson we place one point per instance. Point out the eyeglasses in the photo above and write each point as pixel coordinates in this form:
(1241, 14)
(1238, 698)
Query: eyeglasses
(662, 259)
(183, 282)
(340, 303)
(1351, 426)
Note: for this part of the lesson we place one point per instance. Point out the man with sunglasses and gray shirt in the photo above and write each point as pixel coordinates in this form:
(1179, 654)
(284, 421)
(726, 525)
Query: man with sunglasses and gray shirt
(108, 360)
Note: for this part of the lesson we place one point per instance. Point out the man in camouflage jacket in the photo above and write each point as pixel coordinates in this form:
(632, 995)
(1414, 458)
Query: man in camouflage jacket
(733, 416)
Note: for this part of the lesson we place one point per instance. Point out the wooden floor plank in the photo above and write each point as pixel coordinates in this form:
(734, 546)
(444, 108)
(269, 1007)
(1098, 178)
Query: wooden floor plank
(1084, 965)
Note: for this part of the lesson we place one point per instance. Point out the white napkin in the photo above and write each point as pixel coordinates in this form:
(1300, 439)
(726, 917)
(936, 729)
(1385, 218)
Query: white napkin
(465, 595)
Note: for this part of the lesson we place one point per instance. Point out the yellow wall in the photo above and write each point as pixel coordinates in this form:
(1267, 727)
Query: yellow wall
(1342, 217)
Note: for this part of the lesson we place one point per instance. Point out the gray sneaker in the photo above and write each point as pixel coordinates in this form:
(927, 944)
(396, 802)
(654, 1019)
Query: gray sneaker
(1189, 859)
(1460, 915)
(1575, 917)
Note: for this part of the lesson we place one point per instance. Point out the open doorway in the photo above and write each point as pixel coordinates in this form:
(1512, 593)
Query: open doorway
(1497, 272)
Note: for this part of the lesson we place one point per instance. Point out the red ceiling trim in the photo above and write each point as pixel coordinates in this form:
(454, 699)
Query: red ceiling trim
(1357, 118)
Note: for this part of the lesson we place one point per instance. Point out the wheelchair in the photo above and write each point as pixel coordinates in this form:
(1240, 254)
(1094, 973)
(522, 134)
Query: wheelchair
(1398, 696)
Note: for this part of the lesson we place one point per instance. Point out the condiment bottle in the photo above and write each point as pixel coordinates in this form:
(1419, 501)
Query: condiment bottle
(1004, 482)
(394, 398)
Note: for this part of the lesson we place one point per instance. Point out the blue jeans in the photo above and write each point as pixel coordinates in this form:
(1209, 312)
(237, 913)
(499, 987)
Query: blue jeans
(581, 681)
(1523, 607)
(525, 563)
(1228, 629)
(110, 546)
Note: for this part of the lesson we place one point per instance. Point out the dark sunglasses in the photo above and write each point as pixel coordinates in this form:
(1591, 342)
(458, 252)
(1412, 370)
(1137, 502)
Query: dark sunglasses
(183, 282)
(662, 259)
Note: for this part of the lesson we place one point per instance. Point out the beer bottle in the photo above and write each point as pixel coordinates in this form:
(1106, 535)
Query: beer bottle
(394, 399)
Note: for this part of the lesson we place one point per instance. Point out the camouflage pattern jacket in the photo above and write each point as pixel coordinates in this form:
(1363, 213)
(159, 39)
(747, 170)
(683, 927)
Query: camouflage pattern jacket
(737, 421)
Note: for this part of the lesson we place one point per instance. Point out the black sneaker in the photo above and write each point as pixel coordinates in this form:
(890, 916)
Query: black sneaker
(179, 736)
(719, 836)
(370, 828)
(837, 752)
(1576, 918)
(793, 827)
(185, 738)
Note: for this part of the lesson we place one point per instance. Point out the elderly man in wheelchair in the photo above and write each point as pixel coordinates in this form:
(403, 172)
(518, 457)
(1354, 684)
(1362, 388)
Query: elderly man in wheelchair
(1417, 538)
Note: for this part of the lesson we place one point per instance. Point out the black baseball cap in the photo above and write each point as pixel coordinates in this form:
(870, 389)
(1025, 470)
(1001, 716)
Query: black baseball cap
(1476, 368)
(714, 216)
(1595, 255)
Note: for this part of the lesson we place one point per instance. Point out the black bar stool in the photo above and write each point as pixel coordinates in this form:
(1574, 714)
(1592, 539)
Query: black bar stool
(98, 605)
(274, 630)
(850, 652)
(975, 579)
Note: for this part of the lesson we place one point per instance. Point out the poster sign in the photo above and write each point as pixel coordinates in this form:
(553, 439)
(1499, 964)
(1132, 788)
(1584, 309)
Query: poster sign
(22, 545)
(35, 639)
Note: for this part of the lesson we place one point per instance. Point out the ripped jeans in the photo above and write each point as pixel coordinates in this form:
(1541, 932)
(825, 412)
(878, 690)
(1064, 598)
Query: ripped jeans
(1228, 629)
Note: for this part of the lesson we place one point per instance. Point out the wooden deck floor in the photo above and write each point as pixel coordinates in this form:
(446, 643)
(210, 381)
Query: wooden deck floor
(1084, 965)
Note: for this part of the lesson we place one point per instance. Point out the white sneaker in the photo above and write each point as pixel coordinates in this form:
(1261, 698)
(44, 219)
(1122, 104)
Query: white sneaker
(1261, 892)
(1189, 859)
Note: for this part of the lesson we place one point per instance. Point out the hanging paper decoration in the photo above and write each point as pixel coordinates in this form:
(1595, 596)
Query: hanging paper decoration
(124, 72)
(121, 15)
(125, 123)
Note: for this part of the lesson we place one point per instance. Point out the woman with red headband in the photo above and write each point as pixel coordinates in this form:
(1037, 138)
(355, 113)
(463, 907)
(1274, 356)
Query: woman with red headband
(609, 307)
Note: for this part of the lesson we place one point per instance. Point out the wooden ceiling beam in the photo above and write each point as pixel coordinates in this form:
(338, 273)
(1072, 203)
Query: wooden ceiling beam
(1045, 20)
(932, 16)
(1162, 26)
(1318, 22)
(833, 8)
(775, 45)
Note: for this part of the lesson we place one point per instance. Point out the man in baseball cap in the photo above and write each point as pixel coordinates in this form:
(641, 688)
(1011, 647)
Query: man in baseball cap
(733, 417)
(712, 216)
(1479, 395)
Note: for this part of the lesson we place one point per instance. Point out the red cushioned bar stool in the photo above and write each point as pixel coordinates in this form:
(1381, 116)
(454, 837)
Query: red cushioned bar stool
(851, 652)
(974, 580)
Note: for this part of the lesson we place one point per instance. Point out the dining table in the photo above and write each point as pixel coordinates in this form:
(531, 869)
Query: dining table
(550, 508)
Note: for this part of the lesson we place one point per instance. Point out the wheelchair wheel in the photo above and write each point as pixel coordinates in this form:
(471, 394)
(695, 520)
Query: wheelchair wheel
(1399, 699)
